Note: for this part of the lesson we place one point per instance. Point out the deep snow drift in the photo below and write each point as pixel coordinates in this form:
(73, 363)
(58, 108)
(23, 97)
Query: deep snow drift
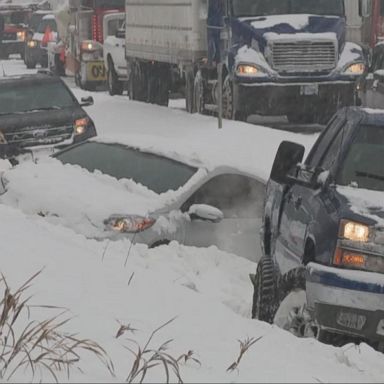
(106, 284)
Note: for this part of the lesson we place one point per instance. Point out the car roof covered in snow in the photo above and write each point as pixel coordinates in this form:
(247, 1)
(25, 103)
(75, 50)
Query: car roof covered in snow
(49, 17)
(30, 78)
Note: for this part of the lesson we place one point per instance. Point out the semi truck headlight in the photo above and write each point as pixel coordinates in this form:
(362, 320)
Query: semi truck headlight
(350, 230)
(20, 36)
(32, 44)
(248, 70)
(355, 69)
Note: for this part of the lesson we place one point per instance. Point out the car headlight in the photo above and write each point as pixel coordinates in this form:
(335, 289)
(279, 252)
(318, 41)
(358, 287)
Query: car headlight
(2, 138)
(355, 69)
(32, 44)
(248, 70)
(350, 230)
(129, 223)
(80, 126)
(20, 36)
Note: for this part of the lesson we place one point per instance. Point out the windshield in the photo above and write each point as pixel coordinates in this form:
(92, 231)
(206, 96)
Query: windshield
(16, 18)
(246, 8)
(35, 20)
(51, 23)
(157, 173)
(363, 166)
(21, 96)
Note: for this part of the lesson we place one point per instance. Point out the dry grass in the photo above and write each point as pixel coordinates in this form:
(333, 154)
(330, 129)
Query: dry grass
(245, 345)
(38, 347)
(147, 358)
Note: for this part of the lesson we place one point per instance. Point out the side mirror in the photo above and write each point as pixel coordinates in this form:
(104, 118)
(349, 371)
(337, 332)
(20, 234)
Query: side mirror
(287, 157)
(205, 213)
(379, 75)
(86, 101)
(120, 34)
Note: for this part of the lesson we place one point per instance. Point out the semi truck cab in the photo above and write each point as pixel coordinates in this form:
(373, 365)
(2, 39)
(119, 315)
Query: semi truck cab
(285, 57)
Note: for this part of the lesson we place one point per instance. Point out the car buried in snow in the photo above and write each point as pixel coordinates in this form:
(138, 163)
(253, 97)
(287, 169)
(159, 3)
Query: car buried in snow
(104, 189)
(322, 271)
(40, 111)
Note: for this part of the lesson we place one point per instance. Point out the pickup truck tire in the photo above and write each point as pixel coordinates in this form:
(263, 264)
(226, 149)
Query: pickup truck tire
(30, 64)
(138, 89)
(229, 109)
(263, 306)
(115, 87)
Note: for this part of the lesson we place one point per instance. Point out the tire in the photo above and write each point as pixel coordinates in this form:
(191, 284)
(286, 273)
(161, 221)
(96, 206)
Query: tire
(30, 64)
(115, 87)
(229, 108)
(199, 94)
(264, 296)
(137, 83)
(189, 92)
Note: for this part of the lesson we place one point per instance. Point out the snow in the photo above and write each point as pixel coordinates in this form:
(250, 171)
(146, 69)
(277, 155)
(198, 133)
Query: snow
(326, 36)
(297, 22)
(106, 283)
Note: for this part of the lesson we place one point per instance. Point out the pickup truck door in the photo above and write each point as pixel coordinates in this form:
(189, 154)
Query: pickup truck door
(304, 204)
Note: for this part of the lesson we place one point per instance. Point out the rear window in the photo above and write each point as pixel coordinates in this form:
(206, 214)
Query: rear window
(23, 96)
(157, 173)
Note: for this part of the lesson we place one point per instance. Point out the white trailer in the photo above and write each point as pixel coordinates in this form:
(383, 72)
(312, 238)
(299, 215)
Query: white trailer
(169, 31)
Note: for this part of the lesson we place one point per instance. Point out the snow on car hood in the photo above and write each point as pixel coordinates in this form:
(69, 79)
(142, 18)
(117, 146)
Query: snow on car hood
(364, 202)
(73, 197)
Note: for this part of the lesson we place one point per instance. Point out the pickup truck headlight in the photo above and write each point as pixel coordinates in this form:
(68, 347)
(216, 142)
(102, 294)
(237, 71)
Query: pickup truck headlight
(20, 36)
(350, 230)
(248, 70)
(32, 44)
(129, 223)
(355, 69)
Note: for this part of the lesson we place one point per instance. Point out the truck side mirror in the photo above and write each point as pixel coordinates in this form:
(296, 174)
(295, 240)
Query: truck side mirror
(287, 157)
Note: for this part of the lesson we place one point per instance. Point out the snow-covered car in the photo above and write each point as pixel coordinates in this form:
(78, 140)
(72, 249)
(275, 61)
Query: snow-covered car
(105, 189)
(322, 272)
(36, 50)
(40, 111)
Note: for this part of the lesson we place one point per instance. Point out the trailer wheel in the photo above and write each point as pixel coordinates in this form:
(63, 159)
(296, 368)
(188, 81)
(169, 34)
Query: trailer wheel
(199, 94)
(229, 109)
(189, 92)
(115, 87)
(137, 83)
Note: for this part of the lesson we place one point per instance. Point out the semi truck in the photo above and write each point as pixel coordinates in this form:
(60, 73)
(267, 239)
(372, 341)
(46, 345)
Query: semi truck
(279, 57)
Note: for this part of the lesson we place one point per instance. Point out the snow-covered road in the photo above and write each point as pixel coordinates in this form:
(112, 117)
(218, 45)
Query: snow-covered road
(107, 284)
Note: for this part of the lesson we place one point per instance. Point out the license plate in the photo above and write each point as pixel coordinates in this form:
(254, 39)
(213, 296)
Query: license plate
(309, 89)
(351, 320)
(96, 71)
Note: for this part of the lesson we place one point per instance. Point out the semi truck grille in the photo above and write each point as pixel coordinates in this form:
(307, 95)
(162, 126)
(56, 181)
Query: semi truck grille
(303, 56)
(39, 136)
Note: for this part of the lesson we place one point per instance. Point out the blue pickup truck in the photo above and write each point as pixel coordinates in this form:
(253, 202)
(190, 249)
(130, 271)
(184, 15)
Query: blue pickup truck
(322, 273)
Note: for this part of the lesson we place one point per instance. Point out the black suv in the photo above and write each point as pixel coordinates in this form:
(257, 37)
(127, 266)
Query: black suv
(322, 273)
(39, 110)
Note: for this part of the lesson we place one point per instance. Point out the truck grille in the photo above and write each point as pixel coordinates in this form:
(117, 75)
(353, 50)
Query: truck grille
(303, 56)
(35, 136)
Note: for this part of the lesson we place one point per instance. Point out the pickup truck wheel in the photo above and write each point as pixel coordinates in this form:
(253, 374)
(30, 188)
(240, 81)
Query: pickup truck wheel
(30, 64)
(115, 87)
(229, 109)
(137, 84)
(263, 307)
